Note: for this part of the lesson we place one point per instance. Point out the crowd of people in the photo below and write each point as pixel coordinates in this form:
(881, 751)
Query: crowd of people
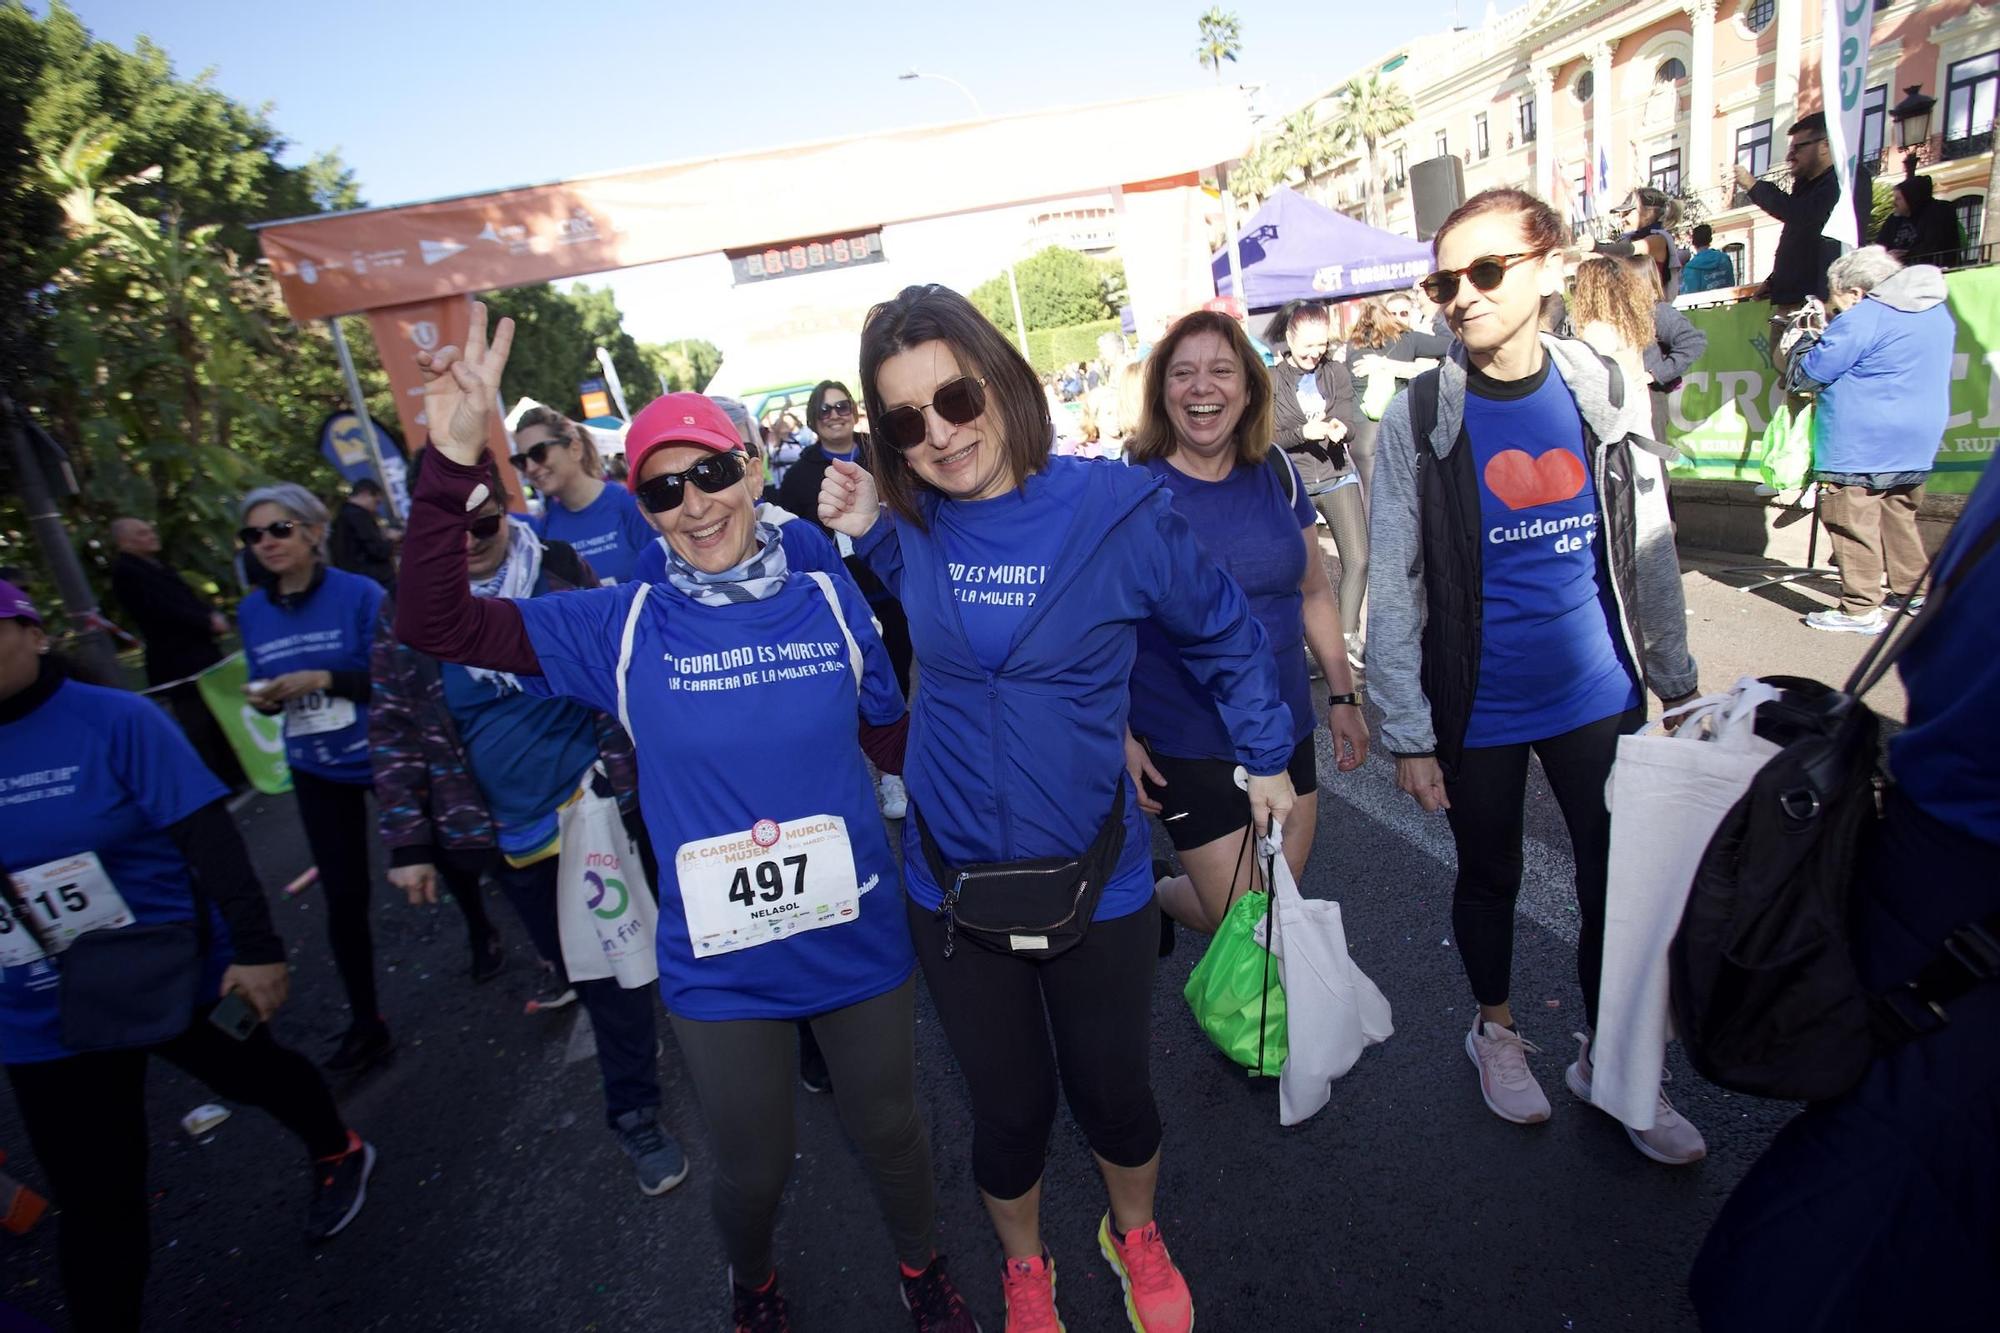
(1013, 658)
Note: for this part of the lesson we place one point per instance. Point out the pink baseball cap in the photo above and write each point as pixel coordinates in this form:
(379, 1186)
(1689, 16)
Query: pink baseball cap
(679, 418)
(14, 604)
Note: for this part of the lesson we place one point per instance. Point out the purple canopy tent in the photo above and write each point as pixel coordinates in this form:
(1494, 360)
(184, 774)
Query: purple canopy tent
(1292, 249)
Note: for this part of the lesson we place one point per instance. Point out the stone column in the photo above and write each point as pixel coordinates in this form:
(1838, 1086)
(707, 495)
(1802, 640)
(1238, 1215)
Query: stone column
(1702, 169)
(1785, 87)
(1612, 186)
(1543, 78)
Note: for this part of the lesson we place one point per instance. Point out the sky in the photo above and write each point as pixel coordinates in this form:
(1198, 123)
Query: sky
(428, 98)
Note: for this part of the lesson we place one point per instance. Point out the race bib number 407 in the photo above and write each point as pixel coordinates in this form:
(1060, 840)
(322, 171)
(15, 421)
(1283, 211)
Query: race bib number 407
(317, 713)
(741, 890)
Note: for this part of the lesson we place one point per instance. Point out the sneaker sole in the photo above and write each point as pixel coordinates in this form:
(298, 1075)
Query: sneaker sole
(1104, 1247)
(1472, 1053)
(360, 1195)
(563, 1001)
(1870, 630)
(657, 1190)
(1581, 1091)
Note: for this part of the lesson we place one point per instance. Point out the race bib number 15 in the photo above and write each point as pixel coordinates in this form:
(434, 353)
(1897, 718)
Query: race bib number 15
(745, 889)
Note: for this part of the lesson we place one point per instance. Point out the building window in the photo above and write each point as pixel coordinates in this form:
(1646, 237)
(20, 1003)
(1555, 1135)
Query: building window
(1585, 86)
(1874, 122)
(1525, 108)
(1971, 222)
(1397, 172)
(1482, 140)
(1753, 147)
(1757, 15)
(1663, 171)
(1971, 87)
(1671, 70)
(1733, 252)
(1442, 145)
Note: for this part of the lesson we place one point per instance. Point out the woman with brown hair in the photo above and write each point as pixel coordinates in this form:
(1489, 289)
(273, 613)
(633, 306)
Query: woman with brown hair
(1205, 432)
(1025, 578)
(1383, 343)
(598, 519)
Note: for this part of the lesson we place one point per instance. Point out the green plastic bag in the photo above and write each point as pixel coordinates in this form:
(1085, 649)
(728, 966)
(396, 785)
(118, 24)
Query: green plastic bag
(1234, 991)
(1787, 448)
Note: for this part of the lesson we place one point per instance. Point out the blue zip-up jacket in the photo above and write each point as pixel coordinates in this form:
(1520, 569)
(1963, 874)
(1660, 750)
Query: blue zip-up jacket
(1020, 763)
(1883, 369)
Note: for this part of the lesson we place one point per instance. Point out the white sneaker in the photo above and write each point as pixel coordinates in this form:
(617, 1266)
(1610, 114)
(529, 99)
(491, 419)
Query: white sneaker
(893, 797)
(1842, 623)
(1672, 1141)
(1501, 1056)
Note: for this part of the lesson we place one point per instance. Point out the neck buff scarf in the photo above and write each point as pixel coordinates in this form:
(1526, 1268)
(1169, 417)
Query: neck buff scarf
(517, 576)
(756, 578)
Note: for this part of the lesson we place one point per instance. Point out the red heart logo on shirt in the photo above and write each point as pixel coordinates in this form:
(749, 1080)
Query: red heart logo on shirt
(1522, 481)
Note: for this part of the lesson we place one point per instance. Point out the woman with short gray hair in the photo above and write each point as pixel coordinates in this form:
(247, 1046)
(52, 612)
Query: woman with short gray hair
(307, 631)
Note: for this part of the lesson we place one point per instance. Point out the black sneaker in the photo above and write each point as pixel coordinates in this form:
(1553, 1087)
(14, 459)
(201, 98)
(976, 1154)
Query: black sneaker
(489, 956)
(360, 1049)
(934, 1303)
(655, 1153)
(340, 1187)
(758, 1311)
(813, 1073)
(1161, 870)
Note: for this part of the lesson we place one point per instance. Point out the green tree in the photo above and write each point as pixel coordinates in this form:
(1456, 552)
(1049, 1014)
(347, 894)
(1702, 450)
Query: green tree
(1059, 287)
(1371, 109)
(683, 366)
(1221, 39)
(556, 338)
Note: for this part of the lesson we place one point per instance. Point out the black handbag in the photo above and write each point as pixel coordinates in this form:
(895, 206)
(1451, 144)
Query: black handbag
(126, 987)
(1027, 909)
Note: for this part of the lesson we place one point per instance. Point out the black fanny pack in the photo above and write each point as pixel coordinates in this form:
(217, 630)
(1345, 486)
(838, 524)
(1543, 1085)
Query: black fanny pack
(1028, 909)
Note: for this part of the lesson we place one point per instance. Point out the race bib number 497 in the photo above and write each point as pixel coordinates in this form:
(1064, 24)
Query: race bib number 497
(741, 890)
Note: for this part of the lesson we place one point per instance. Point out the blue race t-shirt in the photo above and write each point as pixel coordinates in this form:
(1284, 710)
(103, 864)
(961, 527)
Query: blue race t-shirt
(806, 547)
(997, 555)
(1244, 524)
(528, 752)
(330, 628)
(609, 532)
(701, 679)
(1549, 659)
(104, 772)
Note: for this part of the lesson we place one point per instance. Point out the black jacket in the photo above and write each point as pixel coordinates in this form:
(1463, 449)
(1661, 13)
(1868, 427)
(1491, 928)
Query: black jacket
(358, 546)
(170, 616)
(1317, 460)
(1931, 237)
(798, 494)
(1798, 270)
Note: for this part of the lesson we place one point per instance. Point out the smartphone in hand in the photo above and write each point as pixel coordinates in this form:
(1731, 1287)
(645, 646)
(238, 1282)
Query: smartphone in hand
(234, 1017)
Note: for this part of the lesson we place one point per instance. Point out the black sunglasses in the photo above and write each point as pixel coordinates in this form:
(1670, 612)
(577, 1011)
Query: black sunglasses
(844, 408)
(1485, 272)
(957, 401)
(664, 493)
(486, 525)
(278, 531)
(537, 454)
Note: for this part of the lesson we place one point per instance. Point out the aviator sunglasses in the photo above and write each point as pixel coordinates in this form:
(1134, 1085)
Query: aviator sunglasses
(278, 531)
(1485, 272)
(957, 401)
(664, 493)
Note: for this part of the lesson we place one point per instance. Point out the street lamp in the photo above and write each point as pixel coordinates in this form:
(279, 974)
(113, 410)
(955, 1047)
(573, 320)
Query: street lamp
(1013, 287)
(1913, 125)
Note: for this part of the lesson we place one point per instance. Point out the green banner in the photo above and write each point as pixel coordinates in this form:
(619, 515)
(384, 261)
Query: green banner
(259, 741)
(1717, 417)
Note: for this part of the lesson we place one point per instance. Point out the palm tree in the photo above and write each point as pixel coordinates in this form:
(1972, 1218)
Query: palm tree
(1306, 144)
(1371, 109)
(1221, 39)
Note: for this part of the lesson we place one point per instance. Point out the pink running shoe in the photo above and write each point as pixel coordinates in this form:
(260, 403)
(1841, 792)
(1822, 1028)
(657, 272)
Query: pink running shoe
(1156, 1295)
(1029, 1286)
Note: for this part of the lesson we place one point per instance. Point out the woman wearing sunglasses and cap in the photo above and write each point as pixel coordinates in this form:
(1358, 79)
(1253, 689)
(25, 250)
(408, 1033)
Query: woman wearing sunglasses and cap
(778, 891)
(307, 632)
(1524, 596)
(1028, 859)
(597, 519)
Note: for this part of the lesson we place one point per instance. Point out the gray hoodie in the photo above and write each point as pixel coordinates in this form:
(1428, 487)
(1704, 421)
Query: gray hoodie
(1917, 287)
(1397, 603)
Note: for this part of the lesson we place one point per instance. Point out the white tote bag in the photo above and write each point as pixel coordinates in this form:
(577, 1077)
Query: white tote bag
(604, 908)
(1667, 793)
(1332, 1011)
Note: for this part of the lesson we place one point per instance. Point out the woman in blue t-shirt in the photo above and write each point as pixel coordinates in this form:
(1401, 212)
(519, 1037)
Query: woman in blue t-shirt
(1025, 578)
(109, 820)
(778, 892)
(307, 632)
(1206, 433)
(597, 519)
(1526, 590)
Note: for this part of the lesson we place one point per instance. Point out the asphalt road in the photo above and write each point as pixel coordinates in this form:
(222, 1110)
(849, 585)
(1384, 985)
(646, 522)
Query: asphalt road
(501, 1202)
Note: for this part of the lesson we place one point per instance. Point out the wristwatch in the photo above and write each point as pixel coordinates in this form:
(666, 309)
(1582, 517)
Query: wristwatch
(1351, 700)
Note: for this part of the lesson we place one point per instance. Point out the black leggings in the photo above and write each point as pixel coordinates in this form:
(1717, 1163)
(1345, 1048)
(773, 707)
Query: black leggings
(86, 1120)
(1488, 810)
(998, 1012)
(742, 1071)
(335, 815)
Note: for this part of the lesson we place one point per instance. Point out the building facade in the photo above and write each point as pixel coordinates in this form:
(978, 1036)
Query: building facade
(1580, 100)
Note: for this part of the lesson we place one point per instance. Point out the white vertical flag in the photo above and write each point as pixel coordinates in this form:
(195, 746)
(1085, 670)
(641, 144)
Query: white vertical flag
(1844, 27)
